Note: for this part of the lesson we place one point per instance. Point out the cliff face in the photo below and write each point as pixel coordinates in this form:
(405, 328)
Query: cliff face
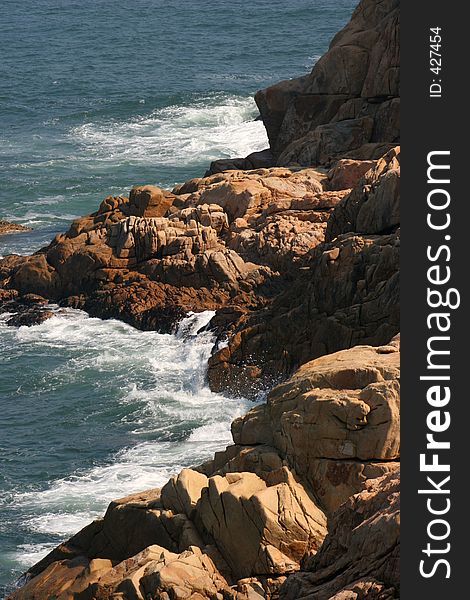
(345, 293)
(348, 106)
(302, 266)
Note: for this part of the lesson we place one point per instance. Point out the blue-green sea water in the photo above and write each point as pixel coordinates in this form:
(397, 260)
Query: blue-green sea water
(97, 96)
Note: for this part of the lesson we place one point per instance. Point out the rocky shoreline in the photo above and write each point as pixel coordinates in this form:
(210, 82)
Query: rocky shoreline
(6, 227)
(272, 516)
(297, 251)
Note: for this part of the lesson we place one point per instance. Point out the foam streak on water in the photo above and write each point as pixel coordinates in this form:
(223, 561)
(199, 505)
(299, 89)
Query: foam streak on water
(152, 385)
(212, 127)
(163, 145)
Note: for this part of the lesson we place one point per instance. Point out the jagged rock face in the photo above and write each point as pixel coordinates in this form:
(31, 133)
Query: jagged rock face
(259, 528)
(373, 207)
(335, 421)
(25, 310)
(349, 104)
(274, 216)
(251, 242)
(360, 556)
(216, 241)
(149, 201)
(345, 293)
(346, 173)
(153, 573)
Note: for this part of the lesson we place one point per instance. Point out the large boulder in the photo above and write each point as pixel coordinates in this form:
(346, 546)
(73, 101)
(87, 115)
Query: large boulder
(335, 421)
(261, 528)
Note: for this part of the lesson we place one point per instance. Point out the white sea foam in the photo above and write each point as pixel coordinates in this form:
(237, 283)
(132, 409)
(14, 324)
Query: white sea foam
(175, 392)
(33, 218)
(219, 126)
(29, 554)
(312, 61)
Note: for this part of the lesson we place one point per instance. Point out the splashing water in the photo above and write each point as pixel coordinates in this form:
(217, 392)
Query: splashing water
(143, 393)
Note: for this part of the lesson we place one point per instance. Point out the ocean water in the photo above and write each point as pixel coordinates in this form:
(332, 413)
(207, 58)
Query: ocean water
(97, 96)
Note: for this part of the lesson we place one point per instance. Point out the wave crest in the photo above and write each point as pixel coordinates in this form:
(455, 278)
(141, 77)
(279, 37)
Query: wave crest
(216, 126)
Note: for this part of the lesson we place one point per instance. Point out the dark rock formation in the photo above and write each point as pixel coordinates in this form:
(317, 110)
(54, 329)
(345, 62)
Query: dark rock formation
(28, 310)
(257, 160)
(348, 106)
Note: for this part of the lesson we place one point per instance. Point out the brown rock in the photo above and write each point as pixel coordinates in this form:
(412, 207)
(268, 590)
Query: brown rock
(182, 492)
(149, 201)
(7, 227)
(148, 270)
(347, 294)
(29, 309)
(360, 555)
(328, 141)
(275, 216)
(261, 528)
(259, 459)
(341, 407)
(55, 581)
(349, 100)
(347, 173)
(343, 293)
(138, 268)
(373, 206)
(34, 275)
(154, 572)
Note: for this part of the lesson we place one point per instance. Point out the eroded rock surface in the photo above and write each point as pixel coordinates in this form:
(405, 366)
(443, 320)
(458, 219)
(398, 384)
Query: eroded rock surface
(28, 310)
(346, 291)
(373, 207)
(360, 556)
(335, 421)
(223, 240)
(348, 106)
